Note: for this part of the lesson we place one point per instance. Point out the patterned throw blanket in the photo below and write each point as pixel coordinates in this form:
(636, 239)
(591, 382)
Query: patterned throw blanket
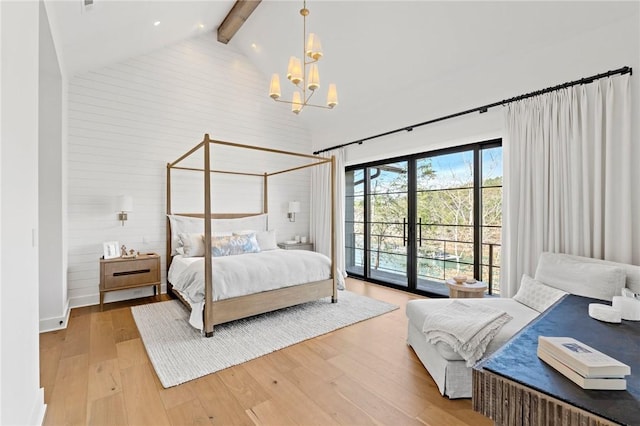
(467, 328)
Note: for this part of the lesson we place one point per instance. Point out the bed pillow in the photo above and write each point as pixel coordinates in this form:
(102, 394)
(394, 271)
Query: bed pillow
(536, 295)
(183, 225)
(234, 245)
(586, 279)
(267, 240)
(192, 244)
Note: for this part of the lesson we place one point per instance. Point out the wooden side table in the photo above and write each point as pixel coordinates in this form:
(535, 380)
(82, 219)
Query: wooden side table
(124, 273)
(476, 289)
(296, 246)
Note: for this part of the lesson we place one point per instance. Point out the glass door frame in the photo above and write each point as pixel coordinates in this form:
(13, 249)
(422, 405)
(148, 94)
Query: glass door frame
(370, 221)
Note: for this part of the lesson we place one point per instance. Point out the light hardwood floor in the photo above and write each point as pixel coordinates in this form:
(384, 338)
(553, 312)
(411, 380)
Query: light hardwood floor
(97, 372)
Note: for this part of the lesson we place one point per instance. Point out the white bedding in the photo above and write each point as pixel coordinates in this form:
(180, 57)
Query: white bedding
(245, 274)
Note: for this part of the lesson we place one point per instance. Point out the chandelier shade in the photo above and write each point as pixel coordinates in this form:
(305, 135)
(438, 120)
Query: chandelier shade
(299, 69)
(274, 88)
(314, 48)
(296, 105)
(313, 78)
(332, 96)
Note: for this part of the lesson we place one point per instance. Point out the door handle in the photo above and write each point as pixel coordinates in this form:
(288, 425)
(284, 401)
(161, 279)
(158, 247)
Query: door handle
(404, 231)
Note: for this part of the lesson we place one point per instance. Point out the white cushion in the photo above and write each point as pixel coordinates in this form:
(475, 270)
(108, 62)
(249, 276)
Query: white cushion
(536, 295)
(267, 240)
(192, 244)
(580, 278)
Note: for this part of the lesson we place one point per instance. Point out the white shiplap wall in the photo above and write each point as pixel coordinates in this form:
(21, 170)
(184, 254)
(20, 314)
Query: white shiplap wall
(127, 120)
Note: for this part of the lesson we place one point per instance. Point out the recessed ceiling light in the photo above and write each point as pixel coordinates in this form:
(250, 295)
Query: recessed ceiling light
(201, 26)
(155, 24)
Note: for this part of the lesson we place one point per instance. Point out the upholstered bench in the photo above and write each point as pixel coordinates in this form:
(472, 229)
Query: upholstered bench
(582, 276)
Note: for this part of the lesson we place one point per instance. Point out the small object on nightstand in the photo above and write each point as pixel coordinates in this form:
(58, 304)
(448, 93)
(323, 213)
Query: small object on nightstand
(131, 254)
(125, 273)
(459, 279)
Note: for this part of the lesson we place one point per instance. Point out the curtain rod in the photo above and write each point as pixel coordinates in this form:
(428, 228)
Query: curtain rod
(485, 108)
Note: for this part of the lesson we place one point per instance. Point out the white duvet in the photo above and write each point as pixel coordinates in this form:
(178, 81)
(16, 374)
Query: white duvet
(245, 274)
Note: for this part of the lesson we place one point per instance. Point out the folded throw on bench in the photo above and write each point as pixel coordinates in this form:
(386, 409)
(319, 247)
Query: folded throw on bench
(468, 329)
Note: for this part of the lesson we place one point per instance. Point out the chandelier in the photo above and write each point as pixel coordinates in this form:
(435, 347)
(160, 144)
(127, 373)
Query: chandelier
(298, 69)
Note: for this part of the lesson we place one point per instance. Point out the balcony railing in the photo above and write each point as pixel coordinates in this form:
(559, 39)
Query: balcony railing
(451, 258)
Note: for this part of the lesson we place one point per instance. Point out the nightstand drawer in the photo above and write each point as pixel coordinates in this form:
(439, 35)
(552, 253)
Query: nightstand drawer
(130, 273)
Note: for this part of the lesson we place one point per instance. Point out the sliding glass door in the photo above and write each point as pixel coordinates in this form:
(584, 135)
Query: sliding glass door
(445, 203)
(386, 224)
(417, 221)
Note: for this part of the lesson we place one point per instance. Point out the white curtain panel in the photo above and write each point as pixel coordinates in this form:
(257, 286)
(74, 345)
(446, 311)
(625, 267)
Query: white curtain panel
(567, 177)
(321, 208)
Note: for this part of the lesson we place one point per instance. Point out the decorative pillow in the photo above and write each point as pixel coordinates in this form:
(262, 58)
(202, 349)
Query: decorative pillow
(233, 245)
(192, 244)
(267, 240)
(536, 295)
(580, 278)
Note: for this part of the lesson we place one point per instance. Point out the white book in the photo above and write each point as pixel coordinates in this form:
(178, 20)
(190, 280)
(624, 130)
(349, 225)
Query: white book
(583, 382)
(583, 359)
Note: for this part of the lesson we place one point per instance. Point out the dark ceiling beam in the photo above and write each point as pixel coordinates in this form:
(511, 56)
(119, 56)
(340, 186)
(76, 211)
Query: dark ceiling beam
(238, 14)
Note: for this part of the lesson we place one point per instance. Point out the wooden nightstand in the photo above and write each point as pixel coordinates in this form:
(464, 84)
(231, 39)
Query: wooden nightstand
(120, 274)
(296, 246)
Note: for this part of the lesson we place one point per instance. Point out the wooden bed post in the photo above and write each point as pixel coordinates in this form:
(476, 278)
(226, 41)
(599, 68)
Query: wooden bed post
(208, 266)
(334, 267)
(265, 198)
(168, 224)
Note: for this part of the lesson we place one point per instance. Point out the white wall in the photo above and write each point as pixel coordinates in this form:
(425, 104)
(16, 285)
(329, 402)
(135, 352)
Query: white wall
(21, 399)
(515, 73)
(54, 307)
(126, 121)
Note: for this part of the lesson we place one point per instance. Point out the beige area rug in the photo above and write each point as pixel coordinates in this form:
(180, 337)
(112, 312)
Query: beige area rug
(179, 352)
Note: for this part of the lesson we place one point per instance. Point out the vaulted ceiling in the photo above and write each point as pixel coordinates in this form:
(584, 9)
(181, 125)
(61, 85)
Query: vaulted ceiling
(376, 52)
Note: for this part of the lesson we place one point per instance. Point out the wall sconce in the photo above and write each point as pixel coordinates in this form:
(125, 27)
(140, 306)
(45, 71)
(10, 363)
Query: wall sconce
(125, 204)
(294, 207)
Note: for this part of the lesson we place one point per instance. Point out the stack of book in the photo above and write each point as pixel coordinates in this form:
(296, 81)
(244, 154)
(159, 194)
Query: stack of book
(583, 365)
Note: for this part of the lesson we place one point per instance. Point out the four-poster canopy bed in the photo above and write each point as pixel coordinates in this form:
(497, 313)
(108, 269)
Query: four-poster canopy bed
(217, 307)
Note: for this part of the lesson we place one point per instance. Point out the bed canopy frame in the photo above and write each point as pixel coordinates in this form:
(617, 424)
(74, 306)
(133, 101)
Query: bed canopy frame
(217, 312)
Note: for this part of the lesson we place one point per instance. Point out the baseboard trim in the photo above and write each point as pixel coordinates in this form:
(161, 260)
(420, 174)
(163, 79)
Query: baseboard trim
(113, 296)
(88, 300)
(56, 323)
(39, 409)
